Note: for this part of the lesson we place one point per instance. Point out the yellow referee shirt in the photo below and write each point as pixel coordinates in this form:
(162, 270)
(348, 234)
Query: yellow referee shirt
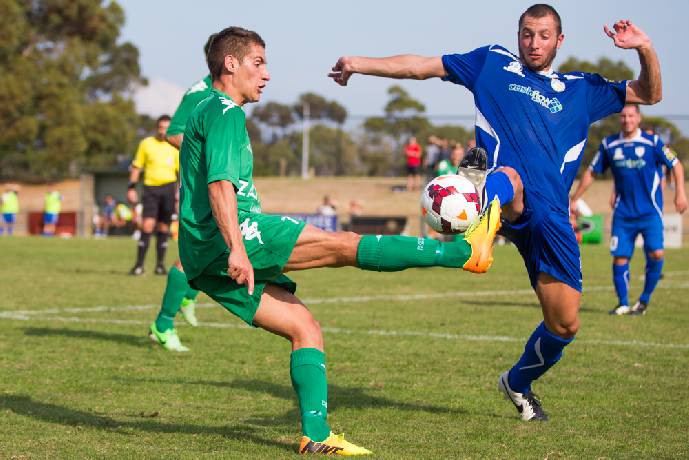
(158, 159)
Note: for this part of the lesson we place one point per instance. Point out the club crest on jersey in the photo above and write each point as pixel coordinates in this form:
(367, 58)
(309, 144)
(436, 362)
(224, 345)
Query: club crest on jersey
(619, 154)
(557, 85)
(514, 67)
(639, 150)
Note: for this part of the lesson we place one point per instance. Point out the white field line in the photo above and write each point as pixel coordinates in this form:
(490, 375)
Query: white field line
(26, 315)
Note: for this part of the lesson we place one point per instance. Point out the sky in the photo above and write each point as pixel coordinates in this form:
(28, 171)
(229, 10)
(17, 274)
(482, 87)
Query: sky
(305, 38)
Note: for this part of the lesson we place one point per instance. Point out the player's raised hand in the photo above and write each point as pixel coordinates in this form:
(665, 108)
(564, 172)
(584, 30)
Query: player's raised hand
(342, 70)
(239, 268)
(626, 35)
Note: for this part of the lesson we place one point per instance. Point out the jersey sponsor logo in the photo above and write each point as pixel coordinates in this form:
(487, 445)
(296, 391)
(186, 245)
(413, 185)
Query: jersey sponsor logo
(639, 150)
(198, 87)
(619, 154)
(557, 85)
(227, 103)
(552, 104)
(250, 231)
(630, 164)
(514, 67)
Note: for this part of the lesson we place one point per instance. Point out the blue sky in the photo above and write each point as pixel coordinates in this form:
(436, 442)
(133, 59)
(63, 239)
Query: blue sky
(305, 38)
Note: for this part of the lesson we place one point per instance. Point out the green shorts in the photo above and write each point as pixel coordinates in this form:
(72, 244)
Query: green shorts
(269, 241)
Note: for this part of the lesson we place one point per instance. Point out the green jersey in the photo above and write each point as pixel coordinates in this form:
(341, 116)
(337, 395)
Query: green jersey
(197, 93)
(216, 147)
(445, 167)
(10, 203)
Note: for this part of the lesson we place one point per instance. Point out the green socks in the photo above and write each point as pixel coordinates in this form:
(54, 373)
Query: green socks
(307, 369)
(175, 290)
(394, 253)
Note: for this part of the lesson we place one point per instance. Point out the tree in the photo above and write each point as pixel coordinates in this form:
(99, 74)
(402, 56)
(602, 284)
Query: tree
(65, 87)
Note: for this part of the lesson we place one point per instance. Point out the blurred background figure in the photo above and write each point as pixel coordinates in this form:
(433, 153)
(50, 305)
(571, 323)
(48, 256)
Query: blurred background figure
(105, 216)
(51, 212)
(450, 165)
(412, 152)
(432, 157)
(328, 207)
(10, 209)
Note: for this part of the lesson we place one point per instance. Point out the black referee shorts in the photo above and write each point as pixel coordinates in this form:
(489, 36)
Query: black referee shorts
(159, 202)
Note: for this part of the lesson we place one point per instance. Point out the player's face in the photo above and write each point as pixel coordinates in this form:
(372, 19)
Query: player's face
(630, 119)
(161, 128)
(539, 42)
(252, 74)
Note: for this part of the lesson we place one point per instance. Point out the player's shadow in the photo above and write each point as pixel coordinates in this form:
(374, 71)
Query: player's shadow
(337, 395)
(126, 339)
(53, 413)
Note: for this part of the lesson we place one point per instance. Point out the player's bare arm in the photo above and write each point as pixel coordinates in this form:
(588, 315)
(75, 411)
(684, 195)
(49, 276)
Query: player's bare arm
(585, 182)
(134, 175)
(647, 88)
(223, 200)
(405, 66)
(680, 195)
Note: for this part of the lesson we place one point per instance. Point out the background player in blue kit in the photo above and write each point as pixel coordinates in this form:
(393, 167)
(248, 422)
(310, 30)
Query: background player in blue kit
(636, 159)
(533, 122)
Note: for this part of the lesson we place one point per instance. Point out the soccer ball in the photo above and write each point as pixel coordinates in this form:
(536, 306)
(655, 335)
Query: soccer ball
(450, 203)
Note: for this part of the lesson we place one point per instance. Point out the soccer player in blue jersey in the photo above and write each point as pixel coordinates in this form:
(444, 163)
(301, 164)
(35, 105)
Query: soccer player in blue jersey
(635, 159)
(533, 123)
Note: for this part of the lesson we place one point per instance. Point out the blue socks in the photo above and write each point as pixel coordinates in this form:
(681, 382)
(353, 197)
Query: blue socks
(541, 352)
(620, 277)
(653, 270)
(498, 185)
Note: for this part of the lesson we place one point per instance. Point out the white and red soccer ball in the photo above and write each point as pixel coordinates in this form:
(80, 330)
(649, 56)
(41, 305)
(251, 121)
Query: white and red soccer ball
(450, 203)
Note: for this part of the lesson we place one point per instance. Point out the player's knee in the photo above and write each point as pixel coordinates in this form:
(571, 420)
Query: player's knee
(566, 329)
(656, 255)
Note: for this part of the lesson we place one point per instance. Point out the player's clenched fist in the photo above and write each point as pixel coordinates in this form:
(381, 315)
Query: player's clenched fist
(342, 70)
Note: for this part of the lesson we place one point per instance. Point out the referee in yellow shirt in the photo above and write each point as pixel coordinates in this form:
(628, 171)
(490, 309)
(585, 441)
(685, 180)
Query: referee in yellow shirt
(160, 162)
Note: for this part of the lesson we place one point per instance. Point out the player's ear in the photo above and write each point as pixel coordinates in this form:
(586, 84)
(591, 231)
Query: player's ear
(560, 39)
(231, 63)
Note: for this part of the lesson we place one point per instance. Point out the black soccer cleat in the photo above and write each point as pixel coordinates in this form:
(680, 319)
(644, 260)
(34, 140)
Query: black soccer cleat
(160, 270)
(137, 270)
(475, 158)
(638, 309)
(527, 404)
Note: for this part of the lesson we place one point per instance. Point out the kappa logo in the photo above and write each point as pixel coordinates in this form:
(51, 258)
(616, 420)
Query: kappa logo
(227, 103)
(618, 154)
(639, 150)
(197, 87)
(515, 67)
(250, 231)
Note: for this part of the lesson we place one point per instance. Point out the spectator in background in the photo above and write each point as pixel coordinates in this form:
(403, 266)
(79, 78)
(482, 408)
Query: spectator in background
(328, 208)
(107, 212)
(51, 212)
(432, 157)
(412, 151)
(10, 209)
(471, 143)
(450, 166)
(356, 208)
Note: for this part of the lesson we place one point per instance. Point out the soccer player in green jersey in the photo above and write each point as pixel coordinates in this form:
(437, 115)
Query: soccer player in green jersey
(178, 294)
(450, 165)
(238, 256)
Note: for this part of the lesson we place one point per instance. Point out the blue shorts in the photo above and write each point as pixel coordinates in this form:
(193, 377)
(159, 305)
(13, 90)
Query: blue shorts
(546, 241)
(9, 218)
(625, 230)
(49, 218)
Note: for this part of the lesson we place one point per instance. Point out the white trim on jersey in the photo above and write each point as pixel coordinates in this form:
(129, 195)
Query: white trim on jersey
(503, 52)
(482, 122)
(636, 138)
(656, 183)
(572, 154)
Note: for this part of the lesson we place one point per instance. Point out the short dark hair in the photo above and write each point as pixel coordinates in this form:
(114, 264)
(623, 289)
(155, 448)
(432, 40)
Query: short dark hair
(233, 41)
(636, 106)
(540, 10)
(164, 117)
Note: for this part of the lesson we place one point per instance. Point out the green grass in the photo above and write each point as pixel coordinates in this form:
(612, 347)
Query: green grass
(409, 377)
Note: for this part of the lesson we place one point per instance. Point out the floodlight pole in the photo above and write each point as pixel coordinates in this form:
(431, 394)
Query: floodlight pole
(305, 141)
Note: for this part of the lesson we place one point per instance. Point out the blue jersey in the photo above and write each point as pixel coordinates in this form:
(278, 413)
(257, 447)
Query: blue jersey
(636, 165)
(533, 122)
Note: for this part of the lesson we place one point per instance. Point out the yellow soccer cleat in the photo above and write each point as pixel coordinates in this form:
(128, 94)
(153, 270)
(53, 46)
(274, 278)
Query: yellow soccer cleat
(480, 236)
(335, 444)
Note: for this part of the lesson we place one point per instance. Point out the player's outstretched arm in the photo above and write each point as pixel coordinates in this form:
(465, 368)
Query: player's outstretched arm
(648, 88)
(405, 66)
(680, 194)
(223, 200)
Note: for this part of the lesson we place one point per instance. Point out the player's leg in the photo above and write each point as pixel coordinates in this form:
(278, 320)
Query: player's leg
(505, 184)
(166, 208)
(560, 305)
(653, 248)
(282, 313)
(473, 251)
(622, 239)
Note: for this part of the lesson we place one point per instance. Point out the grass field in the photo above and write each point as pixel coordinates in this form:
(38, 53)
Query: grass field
(413, 360)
